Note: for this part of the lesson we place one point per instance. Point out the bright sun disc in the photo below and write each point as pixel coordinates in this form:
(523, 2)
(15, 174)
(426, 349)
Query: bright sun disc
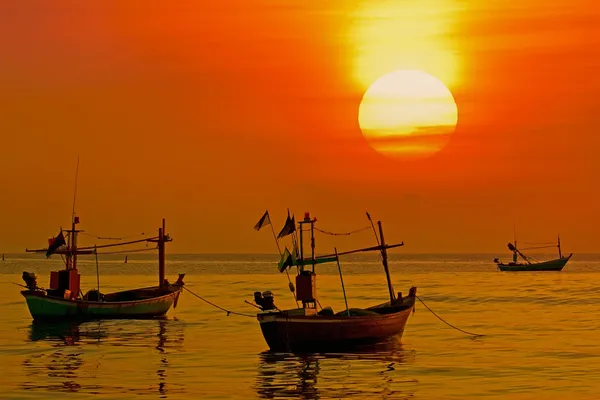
(407, 115)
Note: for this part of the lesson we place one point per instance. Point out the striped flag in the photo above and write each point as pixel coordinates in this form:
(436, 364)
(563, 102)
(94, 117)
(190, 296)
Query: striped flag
(263, 221)
(55, 243)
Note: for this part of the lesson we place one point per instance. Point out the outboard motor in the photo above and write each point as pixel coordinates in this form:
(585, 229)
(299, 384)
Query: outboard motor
(265, 300)
(30, 280)
(93, 295)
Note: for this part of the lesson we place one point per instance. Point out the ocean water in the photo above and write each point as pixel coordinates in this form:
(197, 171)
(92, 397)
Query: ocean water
(542, 334)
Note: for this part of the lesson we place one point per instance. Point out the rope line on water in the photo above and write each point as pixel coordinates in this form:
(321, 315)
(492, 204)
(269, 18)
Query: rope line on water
(447, 323)
(219, 307)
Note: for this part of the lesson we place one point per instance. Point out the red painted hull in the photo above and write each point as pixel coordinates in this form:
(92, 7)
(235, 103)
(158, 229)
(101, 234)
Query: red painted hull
(284, 331)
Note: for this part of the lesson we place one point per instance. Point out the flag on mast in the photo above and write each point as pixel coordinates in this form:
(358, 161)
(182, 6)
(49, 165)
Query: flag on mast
(55, 243)
(289, 227)
(263, 221)
(287, 260)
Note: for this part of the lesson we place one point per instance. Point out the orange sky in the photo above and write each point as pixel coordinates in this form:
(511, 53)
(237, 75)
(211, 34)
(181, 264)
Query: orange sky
(207, 113)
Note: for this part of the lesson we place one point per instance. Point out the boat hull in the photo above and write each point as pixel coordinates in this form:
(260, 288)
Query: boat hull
(285, 332)
(551, 265)
(44, 307)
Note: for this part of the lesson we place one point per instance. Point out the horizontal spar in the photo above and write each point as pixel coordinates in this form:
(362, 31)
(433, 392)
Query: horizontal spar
(91, 249)
(374, 248)
(60, 251)
(118, 244)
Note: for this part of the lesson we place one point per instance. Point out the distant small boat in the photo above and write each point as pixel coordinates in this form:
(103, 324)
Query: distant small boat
(530, 265)
(307, 329)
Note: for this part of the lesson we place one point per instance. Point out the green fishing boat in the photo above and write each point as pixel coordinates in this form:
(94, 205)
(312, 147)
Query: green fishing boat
(63, 299)
(528, 264)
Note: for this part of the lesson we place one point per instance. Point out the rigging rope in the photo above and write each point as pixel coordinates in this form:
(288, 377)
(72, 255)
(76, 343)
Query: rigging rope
(112, 238)
(118, 244)
(129, 251)
(220, 308)
(447, 323)
(537, 247)
(593, 269)
(342, 233)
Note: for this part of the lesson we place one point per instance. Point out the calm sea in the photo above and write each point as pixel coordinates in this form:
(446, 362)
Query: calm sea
(542, 334)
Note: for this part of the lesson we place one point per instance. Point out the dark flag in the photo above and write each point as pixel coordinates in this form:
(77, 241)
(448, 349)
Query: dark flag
(55, 243)
(263, 221)
(288, 228)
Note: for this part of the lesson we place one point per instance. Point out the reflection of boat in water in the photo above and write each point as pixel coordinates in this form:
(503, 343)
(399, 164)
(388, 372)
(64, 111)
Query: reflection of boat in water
(305, 328)
(71, 367)
(67, 332)
(530, 265)
(368, 372)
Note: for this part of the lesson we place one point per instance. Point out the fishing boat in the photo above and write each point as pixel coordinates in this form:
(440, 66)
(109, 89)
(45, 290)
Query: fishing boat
(64, 300)
(528, 264)
(306, 328)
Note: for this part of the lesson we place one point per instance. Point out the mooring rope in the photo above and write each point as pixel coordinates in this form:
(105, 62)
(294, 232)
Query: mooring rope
(342, 233)
(593, 269)
(447, 323)
(219, 307)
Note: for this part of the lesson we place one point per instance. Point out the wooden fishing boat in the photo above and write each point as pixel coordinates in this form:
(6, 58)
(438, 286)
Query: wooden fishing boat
(529, 264)
(307, 329)
(63, 299)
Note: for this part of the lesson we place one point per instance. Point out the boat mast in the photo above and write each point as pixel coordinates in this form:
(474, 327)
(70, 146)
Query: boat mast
(161, 255)
(337, 259)
(308, 220)
(301, 246)
(559, 252)
(384, 260)
(312, 244)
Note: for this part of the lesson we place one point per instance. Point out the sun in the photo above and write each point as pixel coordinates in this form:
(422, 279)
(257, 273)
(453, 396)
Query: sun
(407, 114)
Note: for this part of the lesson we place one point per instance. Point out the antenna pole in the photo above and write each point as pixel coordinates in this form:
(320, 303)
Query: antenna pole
(73, 242)
(75, 190)
(73, 249)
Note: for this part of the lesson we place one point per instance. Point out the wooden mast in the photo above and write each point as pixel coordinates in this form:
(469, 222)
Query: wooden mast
(559, 252)
(161, 255)
(308, 220)
(384, 260)
(312, 243)
(73, 246)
